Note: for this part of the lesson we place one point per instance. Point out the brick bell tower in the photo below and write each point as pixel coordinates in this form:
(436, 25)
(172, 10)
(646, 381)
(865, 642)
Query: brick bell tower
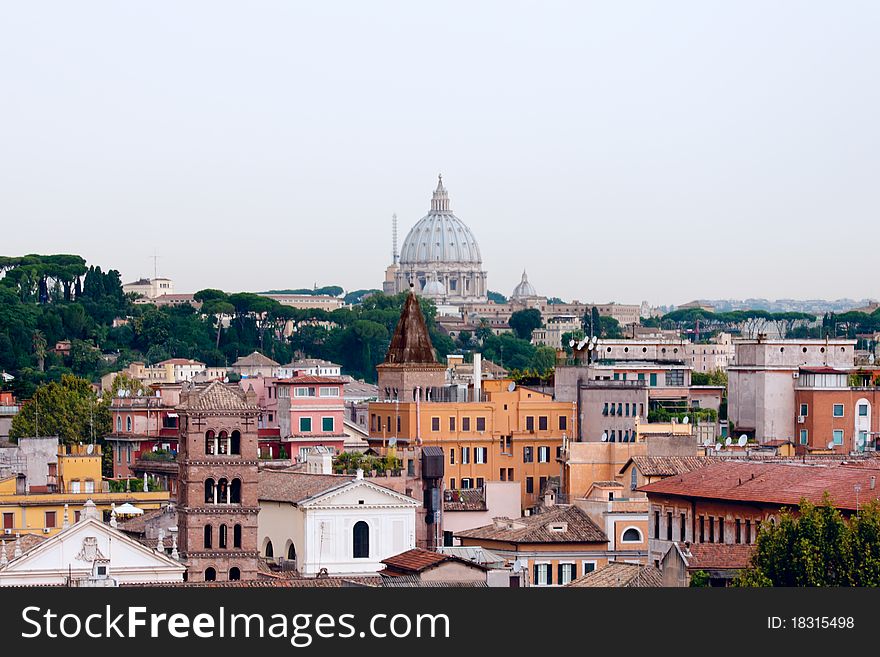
(217, 482)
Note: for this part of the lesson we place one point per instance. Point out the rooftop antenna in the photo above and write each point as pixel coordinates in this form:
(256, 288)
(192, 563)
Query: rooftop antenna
(394, 238)
(155, 258)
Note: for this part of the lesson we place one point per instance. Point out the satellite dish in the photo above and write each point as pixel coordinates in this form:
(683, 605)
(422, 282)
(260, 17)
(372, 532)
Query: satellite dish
(593, 342)
(717, 447)
(685, 419)
(511, 386)
(604, 436)
(728, 441)
(90, 448)
(743, 437)
(831, 445)
(581, 344)
(392, 442)
(742, 441)
(572, 343)
(140, 393)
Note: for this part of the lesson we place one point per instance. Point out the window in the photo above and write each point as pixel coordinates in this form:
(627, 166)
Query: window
(327, 424)
(837, 410)
(128, 423)
(720, 530)
(542, 484)
(804, 410)
(304, 392)
(480, 482)
(805, 437)
(480, 454)
(510, 476)
(589, 566)
(502, 474)
(544, 454)
(465, 424)
(675, 378)
(452, 456)
(210, 575)
(410, 468)
(208, 536)
(631, 535)
(702, 529)
(527, 455)
(542, 423)
(748, 531)
(652, 380)
(669, 525)
(711, 529)
(8, 521)
(50, 519)
(361, 540)
(221, 541)
(530, 485)
(838, 436)
(863, 410)
(435, 424)
(452, 483)
(657, 525)
(119, 423)
(605, 409)
(467, 483)
(447, 539)
(89, 485)
(682, 530)
(633, 479)
(465, 455)
(75, 486)
(530, 423)
(737, 531)
(566, 573)
(305, 424)
(234, 574)
(332, 391)
(452, 423)
(543, 574)
(563, 423)
(481, 424)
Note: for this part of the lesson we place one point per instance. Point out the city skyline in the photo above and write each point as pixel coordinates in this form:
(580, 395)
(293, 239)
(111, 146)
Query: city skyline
(632, 154)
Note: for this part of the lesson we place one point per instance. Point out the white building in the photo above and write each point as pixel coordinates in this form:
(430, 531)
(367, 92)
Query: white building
(344, 524)
(310, 366)
(87, 553)
(150, 287)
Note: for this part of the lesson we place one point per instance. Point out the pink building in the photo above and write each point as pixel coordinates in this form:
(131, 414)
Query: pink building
(268, 432)
(310, 412)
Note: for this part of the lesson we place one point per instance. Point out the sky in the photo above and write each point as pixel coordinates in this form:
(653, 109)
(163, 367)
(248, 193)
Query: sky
(626, 151)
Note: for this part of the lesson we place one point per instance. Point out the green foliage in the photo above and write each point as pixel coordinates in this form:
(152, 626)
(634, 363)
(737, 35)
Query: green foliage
(661, 414)
(69, 409)
(356, 296)
(496, 297)
(817, 547)
(523, 322)
(348, 462)
(713, 378)
(699, 578)
(328, 290)
(555, 301)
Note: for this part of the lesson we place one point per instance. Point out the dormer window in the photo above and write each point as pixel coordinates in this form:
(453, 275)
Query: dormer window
(558, 527)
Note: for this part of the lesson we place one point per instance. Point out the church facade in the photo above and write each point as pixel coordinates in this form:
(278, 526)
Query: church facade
(440, 258)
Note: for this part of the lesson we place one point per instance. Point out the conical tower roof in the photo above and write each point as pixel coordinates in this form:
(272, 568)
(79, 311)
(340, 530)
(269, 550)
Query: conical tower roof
(411, 343)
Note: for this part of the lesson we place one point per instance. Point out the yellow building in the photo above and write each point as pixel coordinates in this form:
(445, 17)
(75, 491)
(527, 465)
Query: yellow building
(75, 479)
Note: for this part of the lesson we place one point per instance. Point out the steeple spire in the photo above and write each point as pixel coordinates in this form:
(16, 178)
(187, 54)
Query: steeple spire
(440, 200)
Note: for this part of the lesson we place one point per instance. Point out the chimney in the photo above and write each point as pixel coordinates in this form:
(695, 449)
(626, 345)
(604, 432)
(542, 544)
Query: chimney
(873, 482)
(478, 375)
(359, 474)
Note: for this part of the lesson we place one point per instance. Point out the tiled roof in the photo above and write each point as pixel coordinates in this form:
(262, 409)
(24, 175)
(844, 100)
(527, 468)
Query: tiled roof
(783, 484)
(180, 361)
(468, 499)
(138, 524)
(416, 560)
(617, 574)
(666, 466)
(535, 529)
(255, 359)
(215, 396)
(25, 542)
(285, 486)
(412, 581)
(717, 556)
(411, 343)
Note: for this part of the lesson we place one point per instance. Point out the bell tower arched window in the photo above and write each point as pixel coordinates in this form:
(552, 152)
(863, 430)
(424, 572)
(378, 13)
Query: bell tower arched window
(209, 535)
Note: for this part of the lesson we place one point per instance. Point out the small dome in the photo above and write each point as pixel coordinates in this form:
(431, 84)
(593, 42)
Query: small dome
(524, 289)
(440, 236)
(434, 288)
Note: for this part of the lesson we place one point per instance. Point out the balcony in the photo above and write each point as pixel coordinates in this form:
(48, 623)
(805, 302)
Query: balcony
(464, 499)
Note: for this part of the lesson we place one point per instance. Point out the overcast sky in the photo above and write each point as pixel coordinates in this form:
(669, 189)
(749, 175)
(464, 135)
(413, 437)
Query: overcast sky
(623, 151)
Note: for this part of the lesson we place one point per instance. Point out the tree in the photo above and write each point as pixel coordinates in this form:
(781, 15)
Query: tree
(576, 335)
(594, 321)
(817, 546)
(69, 409)
(523, 322)
(40, 349)
(496, 297)
(713, 378)
(464, 339)
(608, 327)
(544, 360)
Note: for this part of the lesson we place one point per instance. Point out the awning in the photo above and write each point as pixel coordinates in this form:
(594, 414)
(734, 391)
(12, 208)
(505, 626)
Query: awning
(128, 509)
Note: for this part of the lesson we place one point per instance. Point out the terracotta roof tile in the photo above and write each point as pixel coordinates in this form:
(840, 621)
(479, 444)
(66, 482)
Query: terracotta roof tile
(536, 528)
(293, 487)
(720, 556)
(467, 499)
(255, 359)
(666, 466)
(617, 574)
(215, 396)
(783, 484)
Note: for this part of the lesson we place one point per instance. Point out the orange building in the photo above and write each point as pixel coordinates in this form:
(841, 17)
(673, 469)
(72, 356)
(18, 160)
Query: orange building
(512, 434)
